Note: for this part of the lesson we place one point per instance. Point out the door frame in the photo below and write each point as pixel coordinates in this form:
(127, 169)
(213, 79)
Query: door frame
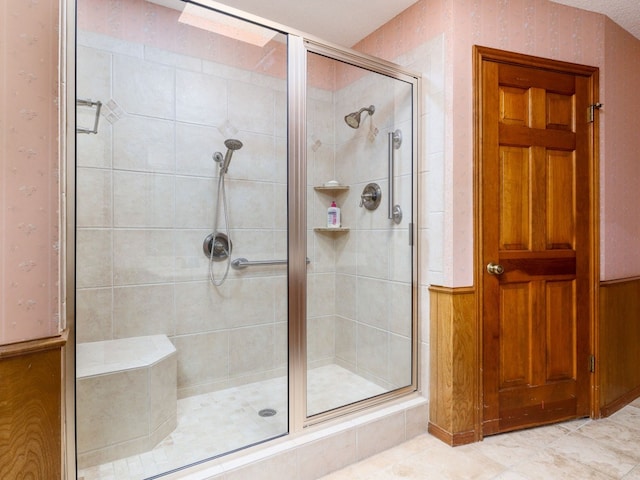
(485, 54)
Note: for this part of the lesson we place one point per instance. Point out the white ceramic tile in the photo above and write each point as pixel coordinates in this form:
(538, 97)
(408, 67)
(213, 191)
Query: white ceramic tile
(94, 258)
(346, 341)
(143, 310)
(93, 80)
(110, 407)
(196, 201)
(274, 468)
(252, 107)
(200, 98)
(373, 258)
(95, 150)
(144, 88)
(143, 256)
(372, 440)
(601, 458)
(346, 296)
(256, 160)
(202, 357)
(399, 361)
(373, 351)
(144, 144)
(320, 294)
(143, 200)
(251, 204)
(326, 455)
(250, 349)
(195, 146)
(321, 334)
(94, 307)
(191, 262)
(373, 302)
(400, 319)
(94, 198)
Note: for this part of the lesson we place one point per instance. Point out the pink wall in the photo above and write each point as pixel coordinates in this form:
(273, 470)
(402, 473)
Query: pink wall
(534, 27)
(29, 170)
(546, 29)
(29, 130)
(620, 159)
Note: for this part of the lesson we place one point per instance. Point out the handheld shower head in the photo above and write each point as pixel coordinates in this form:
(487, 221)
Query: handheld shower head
(232, 145)
(353, 119)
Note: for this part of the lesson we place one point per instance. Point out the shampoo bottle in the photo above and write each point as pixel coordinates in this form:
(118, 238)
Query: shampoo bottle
(333, 216)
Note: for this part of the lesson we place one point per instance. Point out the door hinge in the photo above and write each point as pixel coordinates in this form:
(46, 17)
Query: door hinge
(592, 363)
(411, 234)
(591, 111)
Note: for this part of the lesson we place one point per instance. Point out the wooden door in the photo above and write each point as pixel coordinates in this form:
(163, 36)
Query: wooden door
(536, 216)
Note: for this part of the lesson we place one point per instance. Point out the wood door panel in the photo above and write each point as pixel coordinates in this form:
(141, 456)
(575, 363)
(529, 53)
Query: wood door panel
(560, 300)
(525, 77)
(535, 171)
(560, 112)
(522, 136)
(522, 409)
(515, 335)
(527, 267)
(560, 199)
(515, 174)
(514, 106)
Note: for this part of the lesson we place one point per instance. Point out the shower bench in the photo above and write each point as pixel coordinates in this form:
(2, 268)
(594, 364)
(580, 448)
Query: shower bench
(126, 397)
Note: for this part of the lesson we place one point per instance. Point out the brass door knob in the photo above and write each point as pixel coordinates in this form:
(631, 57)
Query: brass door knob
(495, 269)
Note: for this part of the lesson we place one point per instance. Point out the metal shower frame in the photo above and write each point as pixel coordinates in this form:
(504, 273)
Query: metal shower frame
(299, 45)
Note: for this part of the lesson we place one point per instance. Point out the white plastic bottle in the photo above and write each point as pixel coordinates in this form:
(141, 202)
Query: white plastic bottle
(333, 216)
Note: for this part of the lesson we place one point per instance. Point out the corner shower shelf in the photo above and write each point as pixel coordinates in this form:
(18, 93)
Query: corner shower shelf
(329, 189)
(331, 230)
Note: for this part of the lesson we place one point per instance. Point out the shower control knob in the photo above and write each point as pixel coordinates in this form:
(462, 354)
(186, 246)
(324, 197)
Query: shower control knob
(371, 196)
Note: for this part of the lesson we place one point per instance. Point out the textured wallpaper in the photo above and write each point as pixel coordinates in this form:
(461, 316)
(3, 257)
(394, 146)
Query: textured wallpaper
(29, 169)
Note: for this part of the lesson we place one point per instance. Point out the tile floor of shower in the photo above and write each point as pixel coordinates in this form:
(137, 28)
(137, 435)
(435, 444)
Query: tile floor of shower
(217, 422)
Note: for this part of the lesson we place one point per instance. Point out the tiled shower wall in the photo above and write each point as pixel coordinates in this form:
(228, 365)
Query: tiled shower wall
(373, 265)
(146, 195)
(146, 191)
(359, 301)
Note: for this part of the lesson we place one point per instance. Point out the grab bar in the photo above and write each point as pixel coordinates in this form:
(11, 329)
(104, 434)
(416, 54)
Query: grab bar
(240, 263)
(395, 212)
(90, 103)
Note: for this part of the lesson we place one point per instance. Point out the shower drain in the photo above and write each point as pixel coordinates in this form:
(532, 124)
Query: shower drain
(267, 412)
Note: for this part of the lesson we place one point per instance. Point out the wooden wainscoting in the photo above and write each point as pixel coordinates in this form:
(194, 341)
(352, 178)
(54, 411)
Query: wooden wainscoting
(618, 358)
(31, 409)
(454, 357)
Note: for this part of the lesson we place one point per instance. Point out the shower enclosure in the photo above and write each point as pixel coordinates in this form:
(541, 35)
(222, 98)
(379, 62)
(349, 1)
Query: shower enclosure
(215, 308)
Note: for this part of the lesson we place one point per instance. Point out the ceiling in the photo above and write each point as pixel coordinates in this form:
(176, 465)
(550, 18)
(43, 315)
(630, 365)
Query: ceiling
(625, 13)
(345, 22)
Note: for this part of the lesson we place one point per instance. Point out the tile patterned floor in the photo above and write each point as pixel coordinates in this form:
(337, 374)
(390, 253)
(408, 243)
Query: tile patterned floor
(228, 420)
(604, 449)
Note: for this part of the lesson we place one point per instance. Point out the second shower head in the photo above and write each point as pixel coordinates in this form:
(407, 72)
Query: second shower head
(232, 145)
(353, 119)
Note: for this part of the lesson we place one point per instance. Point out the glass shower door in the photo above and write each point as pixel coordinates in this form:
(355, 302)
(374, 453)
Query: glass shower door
(360, 185)
(182, 138)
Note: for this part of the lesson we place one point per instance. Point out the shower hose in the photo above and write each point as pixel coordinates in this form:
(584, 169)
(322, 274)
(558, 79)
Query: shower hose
(226, 248)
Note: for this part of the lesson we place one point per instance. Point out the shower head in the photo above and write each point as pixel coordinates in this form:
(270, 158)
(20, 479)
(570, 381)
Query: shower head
(232, 145)
(353, 119)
